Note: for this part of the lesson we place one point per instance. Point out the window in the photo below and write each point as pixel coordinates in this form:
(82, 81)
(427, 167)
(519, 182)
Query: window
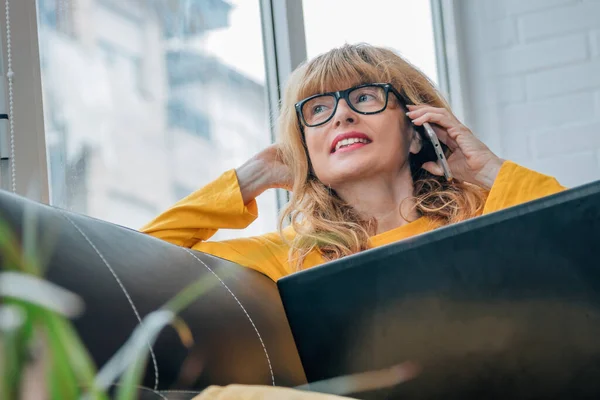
(125, 66)
(57, 14)
(185, 18)
(148, 98)
(181, 116)
(181, 191)
(128, 210)
(403, 25)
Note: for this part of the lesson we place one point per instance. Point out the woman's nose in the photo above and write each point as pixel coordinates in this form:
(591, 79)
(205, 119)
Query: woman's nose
(344, 114)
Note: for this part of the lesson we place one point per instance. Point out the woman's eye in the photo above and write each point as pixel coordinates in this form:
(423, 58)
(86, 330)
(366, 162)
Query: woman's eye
(365, 96)
(318, 109)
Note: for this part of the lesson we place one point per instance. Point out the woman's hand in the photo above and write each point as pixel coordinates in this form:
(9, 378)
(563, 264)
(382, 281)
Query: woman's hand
(263, 171)
(277, 173)
(471, 160)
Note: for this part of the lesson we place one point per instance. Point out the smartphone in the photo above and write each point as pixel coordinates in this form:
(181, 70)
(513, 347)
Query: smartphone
(433, 149)
(438, 149)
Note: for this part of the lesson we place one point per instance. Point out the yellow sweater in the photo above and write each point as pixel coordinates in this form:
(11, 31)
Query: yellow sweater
(219, 205)
(194, 219)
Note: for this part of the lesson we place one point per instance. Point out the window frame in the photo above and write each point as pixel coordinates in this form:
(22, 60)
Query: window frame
(450, 56)
(31, 171)
(284, 44)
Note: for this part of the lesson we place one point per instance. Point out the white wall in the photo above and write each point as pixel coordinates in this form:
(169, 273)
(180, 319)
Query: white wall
(532, 69)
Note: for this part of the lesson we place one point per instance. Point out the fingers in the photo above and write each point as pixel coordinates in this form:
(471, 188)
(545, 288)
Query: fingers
(444, 137)
(452, 127)
(442, 120)
(440, 116)
(433, 168)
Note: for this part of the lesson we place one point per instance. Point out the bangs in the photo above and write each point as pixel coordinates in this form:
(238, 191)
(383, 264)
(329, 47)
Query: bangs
(338, 70)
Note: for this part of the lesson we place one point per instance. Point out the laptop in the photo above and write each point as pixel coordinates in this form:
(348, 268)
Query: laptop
(503, 306)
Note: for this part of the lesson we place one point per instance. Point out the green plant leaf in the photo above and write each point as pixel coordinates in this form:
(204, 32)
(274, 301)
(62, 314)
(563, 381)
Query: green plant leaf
(63, 380)
(131, 379)
(29, 239)
(12, 362)
(135, 347)
(38, 291)
(192, 292)
(78, 356)
(9, 248)
(14, 354)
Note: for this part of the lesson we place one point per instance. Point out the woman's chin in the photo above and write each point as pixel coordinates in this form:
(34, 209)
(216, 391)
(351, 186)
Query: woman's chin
(344, 174)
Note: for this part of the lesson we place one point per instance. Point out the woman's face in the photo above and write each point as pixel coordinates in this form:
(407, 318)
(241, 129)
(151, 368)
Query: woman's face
(385, 143)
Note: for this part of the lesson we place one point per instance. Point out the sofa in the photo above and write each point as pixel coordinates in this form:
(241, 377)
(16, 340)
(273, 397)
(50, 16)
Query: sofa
(239, 326)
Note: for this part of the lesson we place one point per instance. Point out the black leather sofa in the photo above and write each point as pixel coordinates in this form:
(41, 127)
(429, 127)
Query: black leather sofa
(239, 326)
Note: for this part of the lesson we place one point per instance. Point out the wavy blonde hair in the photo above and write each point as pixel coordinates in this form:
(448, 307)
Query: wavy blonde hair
(321, 219)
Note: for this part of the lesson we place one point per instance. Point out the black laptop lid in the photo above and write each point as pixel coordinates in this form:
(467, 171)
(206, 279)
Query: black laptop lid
(505, 306)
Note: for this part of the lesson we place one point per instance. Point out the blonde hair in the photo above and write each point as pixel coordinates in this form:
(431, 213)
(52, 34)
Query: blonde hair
(321, 219)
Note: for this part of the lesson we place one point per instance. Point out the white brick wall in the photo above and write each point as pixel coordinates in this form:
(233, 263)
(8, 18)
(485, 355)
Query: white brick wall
(577, 17)
(532, 71)
(524, 58)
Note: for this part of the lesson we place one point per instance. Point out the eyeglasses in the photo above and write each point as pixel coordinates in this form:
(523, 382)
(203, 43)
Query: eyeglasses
(371, 98)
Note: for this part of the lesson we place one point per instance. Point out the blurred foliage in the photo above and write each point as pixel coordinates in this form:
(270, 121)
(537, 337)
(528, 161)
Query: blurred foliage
(41, 354)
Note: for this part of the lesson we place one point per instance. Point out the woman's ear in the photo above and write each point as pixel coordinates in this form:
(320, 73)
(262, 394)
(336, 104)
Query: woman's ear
(416, 142)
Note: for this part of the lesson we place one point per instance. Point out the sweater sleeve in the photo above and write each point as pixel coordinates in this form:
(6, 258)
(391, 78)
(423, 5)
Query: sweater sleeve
(192, 221)
(516, 185)
(197, 217)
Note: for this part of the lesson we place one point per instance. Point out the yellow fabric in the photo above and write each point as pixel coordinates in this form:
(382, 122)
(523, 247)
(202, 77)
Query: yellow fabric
(193, 220)
(249, 392)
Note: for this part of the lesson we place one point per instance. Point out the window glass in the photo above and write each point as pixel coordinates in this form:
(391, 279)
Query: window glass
(146, 101)
(403, 25)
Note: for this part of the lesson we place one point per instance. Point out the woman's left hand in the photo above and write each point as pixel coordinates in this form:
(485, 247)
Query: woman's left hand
(471, 160)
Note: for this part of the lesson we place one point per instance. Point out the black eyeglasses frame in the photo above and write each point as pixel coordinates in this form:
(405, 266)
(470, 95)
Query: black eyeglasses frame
(344, 94)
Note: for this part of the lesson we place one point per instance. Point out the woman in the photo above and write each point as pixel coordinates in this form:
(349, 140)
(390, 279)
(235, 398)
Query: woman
(353, 161)
(354, 164)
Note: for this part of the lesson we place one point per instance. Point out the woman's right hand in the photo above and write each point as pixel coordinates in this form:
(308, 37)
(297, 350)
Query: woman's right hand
(263, 171)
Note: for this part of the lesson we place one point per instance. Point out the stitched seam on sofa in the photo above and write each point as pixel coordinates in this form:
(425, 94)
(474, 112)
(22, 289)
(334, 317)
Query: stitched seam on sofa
(114, 274)
(243, 309)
